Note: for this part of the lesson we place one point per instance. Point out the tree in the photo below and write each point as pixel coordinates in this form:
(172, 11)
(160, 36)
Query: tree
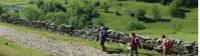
(176, 10)
(83, 12)
(140, 14)
(155, 12)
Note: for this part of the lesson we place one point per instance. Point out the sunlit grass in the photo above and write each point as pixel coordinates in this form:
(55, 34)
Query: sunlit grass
(9, 48)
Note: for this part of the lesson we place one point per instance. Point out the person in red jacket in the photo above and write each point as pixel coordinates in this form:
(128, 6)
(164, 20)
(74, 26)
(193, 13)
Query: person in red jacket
(170, 45)
(134, 44)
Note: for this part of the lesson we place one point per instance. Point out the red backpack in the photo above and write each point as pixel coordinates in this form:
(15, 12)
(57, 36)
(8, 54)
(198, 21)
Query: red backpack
(134, 42)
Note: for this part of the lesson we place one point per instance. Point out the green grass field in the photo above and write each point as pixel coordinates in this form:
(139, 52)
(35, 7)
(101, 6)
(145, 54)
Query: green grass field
(13, 49)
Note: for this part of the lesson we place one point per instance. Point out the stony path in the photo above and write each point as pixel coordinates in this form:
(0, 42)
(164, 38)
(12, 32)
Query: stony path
(48, 45)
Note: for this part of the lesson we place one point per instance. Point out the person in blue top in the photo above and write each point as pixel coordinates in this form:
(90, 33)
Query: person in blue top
(102, 38)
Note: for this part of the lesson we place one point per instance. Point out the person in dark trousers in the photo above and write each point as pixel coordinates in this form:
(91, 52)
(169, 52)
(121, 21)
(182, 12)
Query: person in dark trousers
(102, 38)
(134, 44)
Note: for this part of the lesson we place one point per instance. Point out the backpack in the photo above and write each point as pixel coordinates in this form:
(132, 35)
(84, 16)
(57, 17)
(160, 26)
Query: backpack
(170, 43)
(134, 42)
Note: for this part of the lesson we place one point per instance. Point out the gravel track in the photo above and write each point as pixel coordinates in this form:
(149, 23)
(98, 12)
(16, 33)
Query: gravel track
(50, 46)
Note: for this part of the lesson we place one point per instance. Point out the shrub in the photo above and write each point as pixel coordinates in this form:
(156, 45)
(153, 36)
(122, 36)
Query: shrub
(140, 14)
(13, 13)
(118, 14)
(135, 26)
(33, 13)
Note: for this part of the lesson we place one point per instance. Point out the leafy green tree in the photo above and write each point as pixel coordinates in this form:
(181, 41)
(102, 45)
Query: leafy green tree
(83, 13)
(140, 14)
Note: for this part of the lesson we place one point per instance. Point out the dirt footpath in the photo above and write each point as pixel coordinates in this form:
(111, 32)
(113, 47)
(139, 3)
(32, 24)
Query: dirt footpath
(53, 47)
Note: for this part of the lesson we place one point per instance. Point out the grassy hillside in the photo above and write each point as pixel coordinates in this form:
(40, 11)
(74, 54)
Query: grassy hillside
(9, 48)
(188, 25)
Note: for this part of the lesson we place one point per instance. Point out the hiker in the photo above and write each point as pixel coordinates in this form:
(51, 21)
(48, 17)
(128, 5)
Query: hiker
(164, 44)
(102, 38)
(170, 45)
(134, 44)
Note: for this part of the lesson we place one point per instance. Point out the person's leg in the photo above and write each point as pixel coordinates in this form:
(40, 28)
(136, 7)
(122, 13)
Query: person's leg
(131, 52)
(103, 46)
(170, 51)
(136, 52)
(164, 51)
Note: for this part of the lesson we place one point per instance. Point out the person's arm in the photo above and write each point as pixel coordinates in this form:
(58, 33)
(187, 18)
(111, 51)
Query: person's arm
(100, 34)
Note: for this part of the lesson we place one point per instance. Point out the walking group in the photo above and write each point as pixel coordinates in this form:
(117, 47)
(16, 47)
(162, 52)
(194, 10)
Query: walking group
(134, 43)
